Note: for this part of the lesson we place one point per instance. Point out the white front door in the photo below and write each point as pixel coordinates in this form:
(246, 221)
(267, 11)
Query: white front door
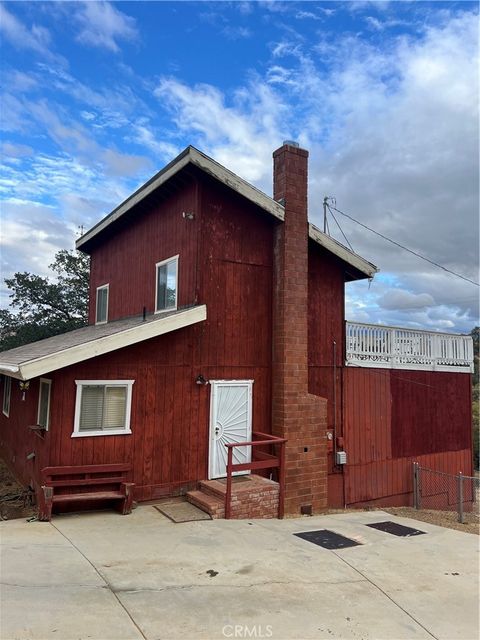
(230, 421)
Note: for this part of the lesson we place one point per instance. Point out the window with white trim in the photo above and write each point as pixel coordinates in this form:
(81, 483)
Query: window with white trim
(43, 413)
(102, 305)
(166, 285)
(102, 407)
(7, 392)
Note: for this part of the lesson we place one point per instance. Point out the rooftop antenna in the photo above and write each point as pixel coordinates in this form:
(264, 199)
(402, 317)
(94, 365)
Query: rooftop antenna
(326, 200)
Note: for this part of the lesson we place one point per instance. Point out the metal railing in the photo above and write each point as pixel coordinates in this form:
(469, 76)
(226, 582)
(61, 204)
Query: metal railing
(263, 460)
(441, 491)
(369, 345)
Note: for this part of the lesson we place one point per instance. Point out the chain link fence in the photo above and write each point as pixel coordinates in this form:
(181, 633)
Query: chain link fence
(441, 491)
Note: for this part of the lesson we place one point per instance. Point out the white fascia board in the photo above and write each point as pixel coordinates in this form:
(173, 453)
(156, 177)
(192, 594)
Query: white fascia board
(139, 195)
(342, 252)
(100, 346)
(195, 157)
(236, 183)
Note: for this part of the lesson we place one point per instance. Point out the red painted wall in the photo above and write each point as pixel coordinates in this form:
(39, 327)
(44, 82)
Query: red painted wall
(395, 417)
(126, 259)
(16, 439)
(168, 447)
(325, 326)
(387, 418)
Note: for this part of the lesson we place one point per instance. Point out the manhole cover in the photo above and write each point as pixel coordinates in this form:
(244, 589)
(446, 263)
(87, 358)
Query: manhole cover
(396, 529)
(327, 539)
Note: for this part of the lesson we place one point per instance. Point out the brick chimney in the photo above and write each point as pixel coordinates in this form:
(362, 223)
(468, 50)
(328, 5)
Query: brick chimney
(296, 414)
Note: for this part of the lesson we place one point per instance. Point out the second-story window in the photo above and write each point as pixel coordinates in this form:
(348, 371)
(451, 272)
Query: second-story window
(166, 285)
(102, 305)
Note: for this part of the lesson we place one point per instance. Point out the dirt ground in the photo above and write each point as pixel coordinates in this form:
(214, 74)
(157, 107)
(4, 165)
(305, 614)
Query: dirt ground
(15, 500)
(18, 502)
(440, 518)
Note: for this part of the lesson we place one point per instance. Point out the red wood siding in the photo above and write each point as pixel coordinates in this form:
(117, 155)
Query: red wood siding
(326, 325)
(428, 414)
(17, 440)
(126, 259)
(326, 301)
(394, 417)
(224, 264)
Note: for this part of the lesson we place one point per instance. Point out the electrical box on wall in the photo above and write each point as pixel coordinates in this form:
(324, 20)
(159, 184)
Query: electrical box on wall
(341, 457)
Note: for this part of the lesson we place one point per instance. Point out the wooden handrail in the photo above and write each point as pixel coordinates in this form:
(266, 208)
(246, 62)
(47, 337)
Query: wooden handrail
(269, 463)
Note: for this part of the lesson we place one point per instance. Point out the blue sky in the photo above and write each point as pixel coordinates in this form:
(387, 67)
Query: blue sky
(98, 96)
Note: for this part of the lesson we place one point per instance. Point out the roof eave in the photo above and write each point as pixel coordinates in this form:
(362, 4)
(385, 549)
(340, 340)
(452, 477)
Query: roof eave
(78, 353)
(193, 156)
(367, 269)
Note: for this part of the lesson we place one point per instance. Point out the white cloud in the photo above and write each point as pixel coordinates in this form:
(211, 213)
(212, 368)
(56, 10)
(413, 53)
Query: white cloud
(102, 25)
(307, 15)
(36, 38)
(400, 299)
(9, 150)
(393, 134)
(239, 136)
(236, 32)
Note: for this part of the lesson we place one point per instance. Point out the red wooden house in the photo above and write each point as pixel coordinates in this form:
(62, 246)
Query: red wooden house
(217, 317)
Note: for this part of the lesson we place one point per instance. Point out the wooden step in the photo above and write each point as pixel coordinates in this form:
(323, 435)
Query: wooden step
(208, 503)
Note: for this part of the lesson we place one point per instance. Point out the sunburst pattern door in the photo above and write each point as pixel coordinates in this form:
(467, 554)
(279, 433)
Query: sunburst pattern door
(230, 421)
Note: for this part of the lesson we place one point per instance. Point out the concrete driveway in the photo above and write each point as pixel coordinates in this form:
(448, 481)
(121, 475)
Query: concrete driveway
(102, 576)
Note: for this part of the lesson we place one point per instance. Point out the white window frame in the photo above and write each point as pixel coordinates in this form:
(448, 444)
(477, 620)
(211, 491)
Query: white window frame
(49, 384)
(102, 432)
(97, 321)
(7, 395)
(157, 266)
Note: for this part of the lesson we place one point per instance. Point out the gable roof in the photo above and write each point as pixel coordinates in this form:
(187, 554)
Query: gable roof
(41, 357)
(193, 156)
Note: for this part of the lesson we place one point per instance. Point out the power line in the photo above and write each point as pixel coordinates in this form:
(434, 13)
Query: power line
(440, 266)
(341, 230)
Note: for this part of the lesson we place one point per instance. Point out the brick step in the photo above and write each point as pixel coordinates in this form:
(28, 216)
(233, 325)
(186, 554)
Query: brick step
(213, 488)
(208, 503)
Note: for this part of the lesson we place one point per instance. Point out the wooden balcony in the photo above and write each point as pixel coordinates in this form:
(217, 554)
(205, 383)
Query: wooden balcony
(369, 345)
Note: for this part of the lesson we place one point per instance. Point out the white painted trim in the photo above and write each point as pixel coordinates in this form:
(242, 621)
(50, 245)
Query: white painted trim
(7, 396)
(107, 287)
(207, 164)
(366, 364)
(160, 264)
(9, 369)
(231, 180)
(98, 346)
(236, 183)
(215, 384)
(106, 432)
(49, 384)
(341, 252)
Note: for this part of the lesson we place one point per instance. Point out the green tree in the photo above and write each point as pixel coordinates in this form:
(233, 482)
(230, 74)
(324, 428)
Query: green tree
(42, 307)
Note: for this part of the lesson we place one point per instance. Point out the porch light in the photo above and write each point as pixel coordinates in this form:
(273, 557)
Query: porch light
(200, 380)
(24, 386)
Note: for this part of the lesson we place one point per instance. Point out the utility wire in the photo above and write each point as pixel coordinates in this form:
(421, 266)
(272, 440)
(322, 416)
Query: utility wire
(341, 230)
(440, 266)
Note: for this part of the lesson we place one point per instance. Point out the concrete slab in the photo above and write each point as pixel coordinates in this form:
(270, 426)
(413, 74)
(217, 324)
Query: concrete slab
(182, 511)
(287, 610)
(142, 576)
(65, 613)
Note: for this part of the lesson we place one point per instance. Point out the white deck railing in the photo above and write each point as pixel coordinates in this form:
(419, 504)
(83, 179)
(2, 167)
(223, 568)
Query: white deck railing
(369, 345)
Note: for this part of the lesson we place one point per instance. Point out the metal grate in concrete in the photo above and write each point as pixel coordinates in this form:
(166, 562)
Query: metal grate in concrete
(327, 539)
(396, 529)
